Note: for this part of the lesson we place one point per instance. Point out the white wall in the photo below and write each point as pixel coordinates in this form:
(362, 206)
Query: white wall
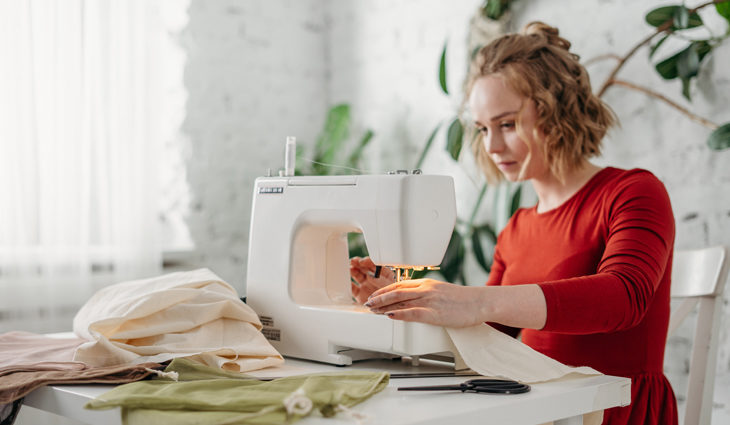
(256, 72)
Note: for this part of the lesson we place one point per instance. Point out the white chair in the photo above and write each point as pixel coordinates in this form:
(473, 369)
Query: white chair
(698, 277)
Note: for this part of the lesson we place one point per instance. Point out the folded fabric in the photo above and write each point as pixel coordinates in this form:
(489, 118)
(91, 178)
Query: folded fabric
(204, 395)
(490, 352)
(188, 314)
(29, 361)
(19, 348)
(16, 385)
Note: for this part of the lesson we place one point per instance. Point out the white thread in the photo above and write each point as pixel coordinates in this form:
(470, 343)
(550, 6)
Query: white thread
(356, 416)
(171, 375)
(337, 166)
(297, 403)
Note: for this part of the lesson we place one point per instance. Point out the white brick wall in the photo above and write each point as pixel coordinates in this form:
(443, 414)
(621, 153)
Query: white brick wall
(256, 72)
(260, 70)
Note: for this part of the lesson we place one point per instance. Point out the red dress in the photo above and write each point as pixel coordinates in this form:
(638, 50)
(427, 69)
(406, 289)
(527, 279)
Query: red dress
(603, 260)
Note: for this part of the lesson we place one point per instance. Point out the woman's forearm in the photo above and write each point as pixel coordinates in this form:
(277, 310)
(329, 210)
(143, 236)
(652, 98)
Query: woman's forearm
(519, 306)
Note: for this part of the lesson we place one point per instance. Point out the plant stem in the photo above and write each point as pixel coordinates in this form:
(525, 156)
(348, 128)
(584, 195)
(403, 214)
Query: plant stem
(477, 204)
(665, 27)
(427, 147)
(602, 57)
(611, 77)
(659, 96)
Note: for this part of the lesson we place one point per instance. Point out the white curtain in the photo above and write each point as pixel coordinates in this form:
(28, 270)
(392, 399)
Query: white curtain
(79, 142)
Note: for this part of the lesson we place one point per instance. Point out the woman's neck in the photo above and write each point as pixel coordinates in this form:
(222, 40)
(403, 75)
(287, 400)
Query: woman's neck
(551, 192)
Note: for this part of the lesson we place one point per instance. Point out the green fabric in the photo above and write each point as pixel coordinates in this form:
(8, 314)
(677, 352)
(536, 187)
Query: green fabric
(206, 395)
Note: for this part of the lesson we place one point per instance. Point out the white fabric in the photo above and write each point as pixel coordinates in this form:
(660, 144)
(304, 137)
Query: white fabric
(490, 352)
(187, 314)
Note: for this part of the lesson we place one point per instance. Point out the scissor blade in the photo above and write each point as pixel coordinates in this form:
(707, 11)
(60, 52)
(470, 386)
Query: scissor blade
(432, 388)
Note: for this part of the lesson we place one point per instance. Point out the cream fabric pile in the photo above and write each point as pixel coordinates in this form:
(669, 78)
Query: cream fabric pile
(191, 314)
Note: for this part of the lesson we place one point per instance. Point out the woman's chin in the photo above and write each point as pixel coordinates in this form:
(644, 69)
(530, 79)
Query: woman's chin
(511, 177)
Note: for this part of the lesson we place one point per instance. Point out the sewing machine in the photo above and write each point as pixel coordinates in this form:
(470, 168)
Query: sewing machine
(298, 278)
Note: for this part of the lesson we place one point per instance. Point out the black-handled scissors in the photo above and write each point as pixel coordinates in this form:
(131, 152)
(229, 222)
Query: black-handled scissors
(494, 386)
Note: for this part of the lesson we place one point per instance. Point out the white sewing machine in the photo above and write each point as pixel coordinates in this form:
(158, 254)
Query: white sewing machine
(298, 265)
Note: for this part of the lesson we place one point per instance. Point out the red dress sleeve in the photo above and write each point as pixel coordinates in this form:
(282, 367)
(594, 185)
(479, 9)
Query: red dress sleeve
(495, 278)
(638, 248)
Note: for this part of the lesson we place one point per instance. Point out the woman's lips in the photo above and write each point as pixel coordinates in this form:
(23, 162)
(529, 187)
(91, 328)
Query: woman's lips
(505, 165)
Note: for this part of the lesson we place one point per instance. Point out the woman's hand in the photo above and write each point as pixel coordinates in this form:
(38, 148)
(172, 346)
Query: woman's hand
(362, 271)
(431, 301)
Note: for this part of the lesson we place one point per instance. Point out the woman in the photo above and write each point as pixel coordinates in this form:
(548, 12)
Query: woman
(584, 274)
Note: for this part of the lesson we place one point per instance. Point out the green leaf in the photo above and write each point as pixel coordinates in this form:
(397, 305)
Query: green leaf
(669, 68)
(455, 138)
(688, 62)
(489, 231)
(703, 48)
(681, 17)
(694, 21)
(427, 147)
(720, 138)
(516, 198)
(442, 71)
(335, 132)
(493, 9)
(476, 246)
(356, 245)
(685, 88)
(656, 46)
(724, 10)
(453, 258)
(353, 161)
(660, 15)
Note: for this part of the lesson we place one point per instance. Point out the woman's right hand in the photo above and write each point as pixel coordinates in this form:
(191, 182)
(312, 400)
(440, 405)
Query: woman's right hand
(362, 271)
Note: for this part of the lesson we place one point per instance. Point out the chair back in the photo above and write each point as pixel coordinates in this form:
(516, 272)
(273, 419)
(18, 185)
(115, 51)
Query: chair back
(698, 277)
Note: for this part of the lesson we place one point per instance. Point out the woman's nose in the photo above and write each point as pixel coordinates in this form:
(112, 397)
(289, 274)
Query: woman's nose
(493, 143)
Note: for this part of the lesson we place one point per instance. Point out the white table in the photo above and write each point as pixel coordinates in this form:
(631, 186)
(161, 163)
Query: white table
(563, 401)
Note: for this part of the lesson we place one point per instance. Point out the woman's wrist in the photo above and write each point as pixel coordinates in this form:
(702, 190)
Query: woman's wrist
(485, 298)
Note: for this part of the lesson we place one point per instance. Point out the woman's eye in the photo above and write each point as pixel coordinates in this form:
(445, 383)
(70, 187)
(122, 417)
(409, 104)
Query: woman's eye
(482, 130)
(507, 124)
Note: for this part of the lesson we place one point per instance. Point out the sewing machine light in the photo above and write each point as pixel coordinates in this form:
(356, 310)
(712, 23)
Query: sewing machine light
(406, 273)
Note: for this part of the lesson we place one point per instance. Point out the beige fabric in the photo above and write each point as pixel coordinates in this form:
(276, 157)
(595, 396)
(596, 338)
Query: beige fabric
(29, 361)
(191, 314)
(489, 352)
(18, 384)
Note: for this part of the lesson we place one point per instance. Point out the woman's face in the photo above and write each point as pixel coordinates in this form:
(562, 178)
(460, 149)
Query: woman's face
(495, 107)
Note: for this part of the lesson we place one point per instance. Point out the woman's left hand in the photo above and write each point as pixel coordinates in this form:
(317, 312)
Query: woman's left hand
(431, 301)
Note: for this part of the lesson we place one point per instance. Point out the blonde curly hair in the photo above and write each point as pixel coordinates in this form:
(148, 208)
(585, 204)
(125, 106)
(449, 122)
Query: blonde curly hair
(538, 65)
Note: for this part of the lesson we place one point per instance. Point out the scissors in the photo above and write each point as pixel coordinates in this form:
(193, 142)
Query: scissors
(494, 386)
